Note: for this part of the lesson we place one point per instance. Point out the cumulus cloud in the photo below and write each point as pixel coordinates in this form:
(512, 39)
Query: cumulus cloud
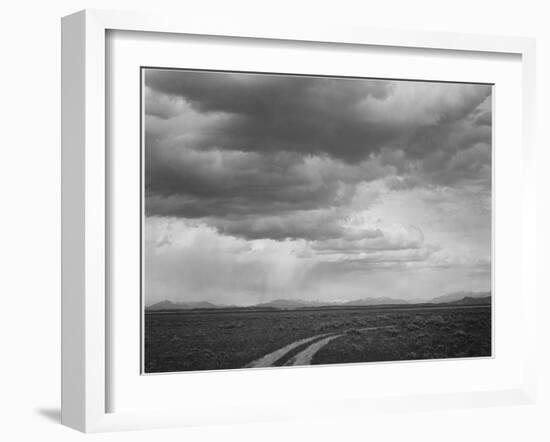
(364, 240)
(433, 103)
(161, 105)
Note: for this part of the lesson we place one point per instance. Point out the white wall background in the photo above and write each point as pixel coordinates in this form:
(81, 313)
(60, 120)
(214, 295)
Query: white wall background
(30, 221)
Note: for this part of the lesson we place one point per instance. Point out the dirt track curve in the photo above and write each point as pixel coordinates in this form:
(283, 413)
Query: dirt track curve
(305, 356)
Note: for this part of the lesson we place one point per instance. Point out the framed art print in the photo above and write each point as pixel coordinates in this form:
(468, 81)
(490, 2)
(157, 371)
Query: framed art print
(273, 222)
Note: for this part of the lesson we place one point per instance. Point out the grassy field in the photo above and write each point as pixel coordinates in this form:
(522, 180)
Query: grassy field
(210, 340)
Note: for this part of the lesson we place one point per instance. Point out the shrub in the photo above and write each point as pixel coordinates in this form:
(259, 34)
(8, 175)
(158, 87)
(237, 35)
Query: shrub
(392, 331)
(460, 334)
(436, 320)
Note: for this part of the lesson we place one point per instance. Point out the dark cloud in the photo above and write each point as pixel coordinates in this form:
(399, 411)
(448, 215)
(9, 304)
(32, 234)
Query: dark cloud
(328, 230)
(282, 157)
(299, 224)
(275, 113)
(472, 165)
(253, 94)
(195, 183)
(344, 118)
(484, 119)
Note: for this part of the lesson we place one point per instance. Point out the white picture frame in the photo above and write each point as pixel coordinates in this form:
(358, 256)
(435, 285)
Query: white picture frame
(86, 205)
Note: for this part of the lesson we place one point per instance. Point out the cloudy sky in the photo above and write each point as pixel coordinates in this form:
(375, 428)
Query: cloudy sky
(259, 187)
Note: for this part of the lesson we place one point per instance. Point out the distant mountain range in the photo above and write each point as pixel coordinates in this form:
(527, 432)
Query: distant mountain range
(473, 300)
(457, 296)
(290, 304)
(169, 305)
(285, 304)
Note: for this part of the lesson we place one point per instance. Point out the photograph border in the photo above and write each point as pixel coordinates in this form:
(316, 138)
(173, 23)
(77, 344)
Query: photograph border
(85, 197)
(142, 114)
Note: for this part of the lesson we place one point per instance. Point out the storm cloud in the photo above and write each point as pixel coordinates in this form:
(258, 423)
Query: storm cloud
(348, 119)
(331, 175)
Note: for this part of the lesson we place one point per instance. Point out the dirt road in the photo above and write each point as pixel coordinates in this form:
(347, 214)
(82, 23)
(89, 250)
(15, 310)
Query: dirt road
(305, 355)
(270, 359)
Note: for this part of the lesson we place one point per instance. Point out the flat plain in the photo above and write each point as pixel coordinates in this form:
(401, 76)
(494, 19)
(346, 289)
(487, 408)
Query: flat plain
(215, 339)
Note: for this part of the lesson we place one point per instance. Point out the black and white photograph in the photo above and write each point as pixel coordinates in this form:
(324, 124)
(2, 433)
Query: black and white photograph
(292, 220)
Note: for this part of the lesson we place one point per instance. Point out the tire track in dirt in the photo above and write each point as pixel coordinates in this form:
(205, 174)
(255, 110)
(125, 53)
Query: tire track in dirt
(270, 359)
(281, 362)
(304, 356)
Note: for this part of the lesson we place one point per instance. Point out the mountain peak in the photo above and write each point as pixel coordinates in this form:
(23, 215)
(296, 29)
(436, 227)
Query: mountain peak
(169, 305)
(457, 296)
